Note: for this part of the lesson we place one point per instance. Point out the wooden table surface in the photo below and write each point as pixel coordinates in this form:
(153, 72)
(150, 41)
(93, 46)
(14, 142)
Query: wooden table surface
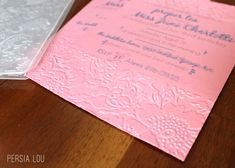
(35, 121)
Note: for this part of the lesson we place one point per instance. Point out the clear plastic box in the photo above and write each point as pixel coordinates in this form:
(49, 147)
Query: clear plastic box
(26, 27)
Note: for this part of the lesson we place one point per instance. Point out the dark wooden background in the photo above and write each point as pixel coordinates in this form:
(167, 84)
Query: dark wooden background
(34, 121)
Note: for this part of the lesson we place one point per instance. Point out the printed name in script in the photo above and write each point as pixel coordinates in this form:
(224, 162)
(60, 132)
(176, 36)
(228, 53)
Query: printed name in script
(182, 21)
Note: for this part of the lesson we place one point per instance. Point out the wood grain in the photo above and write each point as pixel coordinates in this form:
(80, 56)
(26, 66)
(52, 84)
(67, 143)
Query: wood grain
(35, 121)
(2, 81)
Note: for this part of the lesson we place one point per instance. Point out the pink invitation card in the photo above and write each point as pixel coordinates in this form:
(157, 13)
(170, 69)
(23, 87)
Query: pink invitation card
(153, 69)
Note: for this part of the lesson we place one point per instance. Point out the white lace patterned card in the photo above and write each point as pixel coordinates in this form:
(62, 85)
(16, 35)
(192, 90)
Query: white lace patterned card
(25, 28)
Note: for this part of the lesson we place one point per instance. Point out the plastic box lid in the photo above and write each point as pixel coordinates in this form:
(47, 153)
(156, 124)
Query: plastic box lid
(26, 27)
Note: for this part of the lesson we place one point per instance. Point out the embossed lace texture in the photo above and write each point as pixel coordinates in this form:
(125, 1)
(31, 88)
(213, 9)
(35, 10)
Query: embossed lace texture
(165, 116)
(25, 25)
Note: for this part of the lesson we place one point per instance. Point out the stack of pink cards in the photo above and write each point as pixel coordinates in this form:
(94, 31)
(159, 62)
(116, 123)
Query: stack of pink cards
(152, 68)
